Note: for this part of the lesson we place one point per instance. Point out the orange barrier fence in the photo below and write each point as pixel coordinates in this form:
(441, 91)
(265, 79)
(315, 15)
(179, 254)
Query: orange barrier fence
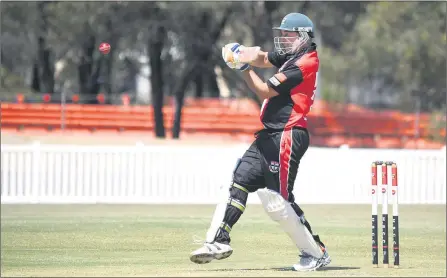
(215, 117)
(211, 118)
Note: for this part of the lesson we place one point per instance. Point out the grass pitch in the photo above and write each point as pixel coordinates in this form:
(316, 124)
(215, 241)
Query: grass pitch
(119, 240)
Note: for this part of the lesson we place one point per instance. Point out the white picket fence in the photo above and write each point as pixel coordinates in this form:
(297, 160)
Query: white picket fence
(193, 174)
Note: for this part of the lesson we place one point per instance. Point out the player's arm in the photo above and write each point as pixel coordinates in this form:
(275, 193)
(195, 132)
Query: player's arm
(261, 60)
(284, 82)
(261, 88)
(280, 83)
(255, 57)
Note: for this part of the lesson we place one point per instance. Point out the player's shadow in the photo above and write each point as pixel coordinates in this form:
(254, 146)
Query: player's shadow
(320, 269)
(327, 268)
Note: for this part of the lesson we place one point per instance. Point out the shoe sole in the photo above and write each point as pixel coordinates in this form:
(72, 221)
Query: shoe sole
(307, 270)
(326, 262)
(321, 264)
(223, 255)
(207, 258)
(201, 258)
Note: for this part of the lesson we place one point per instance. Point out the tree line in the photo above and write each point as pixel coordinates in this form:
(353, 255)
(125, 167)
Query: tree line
(378, 54)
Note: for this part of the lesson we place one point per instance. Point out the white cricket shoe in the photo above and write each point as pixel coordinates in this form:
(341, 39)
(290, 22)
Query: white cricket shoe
(326, 259)
(211, 251)
(310, 263)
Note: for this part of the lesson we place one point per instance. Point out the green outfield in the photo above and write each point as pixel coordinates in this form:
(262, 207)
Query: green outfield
(106, 240)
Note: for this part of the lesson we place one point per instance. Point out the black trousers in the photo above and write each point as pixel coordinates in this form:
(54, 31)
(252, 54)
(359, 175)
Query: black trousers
(272, 161)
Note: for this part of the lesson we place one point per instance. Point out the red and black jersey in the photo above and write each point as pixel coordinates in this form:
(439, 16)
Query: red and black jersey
(295, 83)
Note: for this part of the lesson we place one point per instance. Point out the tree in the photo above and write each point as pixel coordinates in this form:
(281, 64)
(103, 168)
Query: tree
(200, 51)
(399, 48)
(156, 42)
(44, 66)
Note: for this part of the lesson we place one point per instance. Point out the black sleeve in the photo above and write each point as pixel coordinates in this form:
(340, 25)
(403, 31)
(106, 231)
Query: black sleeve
(276, 59)
(285, 81)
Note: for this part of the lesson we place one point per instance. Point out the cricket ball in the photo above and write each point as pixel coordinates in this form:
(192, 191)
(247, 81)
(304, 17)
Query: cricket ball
(104, 48)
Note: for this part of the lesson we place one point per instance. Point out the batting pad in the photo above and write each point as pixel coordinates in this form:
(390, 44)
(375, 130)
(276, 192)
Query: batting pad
(219, 213)
(282, 212)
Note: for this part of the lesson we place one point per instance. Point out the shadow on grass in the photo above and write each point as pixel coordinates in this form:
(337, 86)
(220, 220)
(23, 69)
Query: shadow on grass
(328, 268)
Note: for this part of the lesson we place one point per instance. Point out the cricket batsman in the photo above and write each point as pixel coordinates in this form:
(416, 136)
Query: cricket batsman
(270, 165)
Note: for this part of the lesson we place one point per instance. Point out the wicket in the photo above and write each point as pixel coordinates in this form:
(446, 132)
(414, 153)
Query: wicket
(394, 193)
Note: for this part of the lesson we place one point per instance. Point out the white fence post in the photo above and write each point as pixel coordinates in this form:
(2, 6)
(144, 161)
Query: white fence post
(36, 172)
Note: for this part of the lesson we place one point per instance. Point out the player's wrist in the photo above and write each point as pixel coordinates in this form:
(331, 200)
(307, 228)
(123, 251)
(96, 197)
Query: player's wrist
(246, 67)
